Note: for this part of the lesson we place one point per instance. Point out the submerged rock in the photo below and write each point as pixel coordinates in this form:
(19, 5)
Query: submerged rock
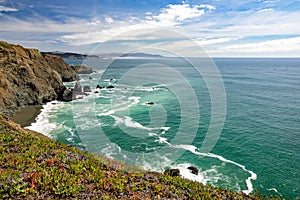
(87, 88)
(99, 87)
(172, 172)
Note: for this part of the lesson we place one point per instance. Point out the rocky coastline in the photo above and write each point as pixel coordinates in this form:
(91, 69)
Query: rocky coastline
(28, 77)
(36, 167)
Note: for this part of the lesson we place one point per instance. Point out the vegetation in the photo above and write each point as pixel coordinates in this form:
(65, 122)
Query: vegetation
(33, 166)
(5, 44)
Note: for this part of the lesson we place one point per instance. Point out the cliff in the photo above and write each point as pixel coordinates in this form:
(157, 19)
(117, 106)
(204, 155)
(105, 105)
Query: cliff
(29, 78)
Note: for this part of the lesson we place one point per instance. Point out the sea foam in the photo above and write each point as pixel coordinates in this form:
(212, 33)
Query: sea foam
(42, 123)
(253, 176)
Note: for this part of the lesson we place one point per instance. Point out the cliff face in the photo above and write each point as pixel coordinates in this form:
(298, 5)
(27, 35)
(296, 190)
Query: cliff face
(29, 78)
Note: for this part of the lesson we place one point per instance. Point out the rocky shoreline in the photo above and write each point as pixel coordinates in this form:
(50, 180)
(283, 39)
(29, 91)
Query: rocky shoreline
(28, 77)
(36, 167)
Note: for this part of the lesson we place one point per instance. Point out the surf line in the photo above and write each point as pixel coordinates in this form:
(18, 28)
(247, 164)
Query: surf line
(193, 149)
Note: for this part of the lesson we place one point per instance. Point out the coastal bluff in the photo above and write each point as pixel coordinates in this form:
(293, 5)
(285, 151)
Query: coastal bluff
(28, 77)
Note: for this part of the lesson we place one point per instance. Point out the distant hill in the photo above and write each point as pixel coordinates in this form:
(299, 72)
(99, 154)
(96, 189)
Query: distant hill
(68, 55)
(144, 55)
(71, 55)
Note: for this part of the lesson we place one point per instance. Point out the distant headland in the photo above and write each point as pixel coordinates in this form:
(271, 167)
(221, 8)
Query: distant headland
(71, 55)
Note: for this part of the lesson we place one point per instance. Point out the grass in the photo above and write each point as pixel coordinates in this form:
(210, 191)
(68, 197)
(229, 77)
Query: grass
(36, 167)
(5, 44)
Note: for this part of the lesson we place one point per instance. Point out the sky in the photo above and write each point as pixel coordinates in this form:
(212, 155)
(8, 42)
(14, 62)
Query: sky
(221, 28)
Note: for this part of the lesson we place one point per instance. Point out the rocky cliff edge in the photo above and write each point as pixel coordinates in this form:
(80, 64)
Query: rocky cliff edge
(29, 78)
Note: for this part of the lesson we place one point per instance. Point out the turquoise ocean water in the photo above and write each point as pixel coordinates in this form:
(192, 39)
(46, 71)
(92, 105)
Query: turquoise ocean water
(259, 145)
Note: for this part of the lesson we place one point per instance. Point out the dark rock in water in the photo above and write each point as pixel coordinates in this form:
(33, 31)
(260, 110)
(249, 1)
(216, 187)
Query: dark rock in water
(149, 103)
(87, 88)
(96, 92)
(90, 77)
(110, 87)
(67, 95)
(172, 172)
(99, 87)
(194, 170)
(77, 88)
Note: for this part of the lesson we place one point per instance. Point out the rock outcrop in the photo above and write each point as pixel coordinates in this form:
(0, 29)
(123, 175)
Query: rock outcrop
(193, 170)
(150, 103)
(58, 64)
(172, 172)
(110, 87)
(29, 78)
(68, 95)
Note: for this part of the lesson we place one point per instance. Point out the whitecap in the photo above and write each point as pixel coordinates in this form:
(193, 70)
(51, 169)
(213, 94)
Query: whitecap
(185, 172)
(275, 190)
(162, 140)
(253, 176)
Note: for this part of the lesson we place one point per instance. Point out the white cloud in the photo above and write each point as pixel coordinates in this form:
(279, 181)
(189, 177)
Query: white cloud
(109, 20)
(207, 6)
(279, 45)
(210, 41)
(246, 24)
(266, 10)
(11, 24)
(7, 9)
(220, 33)
(94, 22)
(170, 16)
(174, 14)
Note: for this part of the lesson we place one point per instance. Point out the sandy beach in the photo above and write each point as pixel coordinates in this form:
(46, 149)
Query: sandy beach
(26, 115)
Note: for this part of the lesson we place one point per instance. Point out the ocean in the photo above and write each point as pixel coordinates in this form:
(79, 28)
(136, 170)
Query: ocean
(236, 119)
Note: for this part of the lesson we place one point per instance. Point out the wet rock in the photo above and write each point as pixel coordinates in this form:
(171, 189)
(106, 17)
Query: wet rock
(99, 87)
(110, 87)
(149, 103)
(87, 88)
(67, 95)
(193, 170)
(172, 172)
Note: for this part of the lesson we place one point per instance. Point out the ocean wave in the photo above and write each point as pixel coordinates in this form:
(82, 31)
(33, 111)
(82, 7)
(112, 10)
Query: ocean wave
(253, 176)
(42, 123)
(121, 106)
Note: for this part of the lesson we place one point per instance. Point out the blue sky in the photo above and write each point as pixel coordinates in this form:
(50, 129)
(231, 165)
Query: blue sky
(244, 28)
